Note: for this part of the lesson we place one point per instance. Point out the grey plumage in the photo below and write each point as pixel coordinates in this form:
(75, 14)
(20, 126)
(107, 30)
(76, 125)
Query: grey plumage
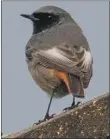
(58, 43)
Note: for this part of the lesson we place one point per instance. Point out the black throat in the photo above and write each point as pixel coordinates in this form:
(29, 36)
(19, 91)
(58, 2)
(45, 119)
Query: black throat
(36, 28)
(45, 21)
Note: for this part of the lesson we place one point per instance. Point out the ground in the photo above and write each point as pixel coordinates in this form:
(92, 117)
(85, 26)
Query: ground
(90, 120)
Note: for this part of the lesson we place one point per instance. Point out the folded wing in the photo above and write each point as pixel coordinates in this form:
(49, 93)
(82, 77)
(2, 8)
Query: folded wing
(71, 59)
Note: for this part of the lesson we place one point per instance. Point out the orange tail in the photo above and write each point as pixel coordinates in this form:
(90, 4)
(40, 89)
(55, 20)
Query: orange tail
(73, 83)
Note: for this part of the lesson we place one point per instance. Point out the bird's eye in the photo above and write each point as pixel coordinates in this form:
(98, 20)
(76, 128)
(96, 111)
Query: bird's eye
(49, 16)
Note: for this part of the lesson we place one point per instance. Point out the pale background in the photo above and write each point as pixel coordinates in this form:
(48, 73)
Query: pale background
(23, 102)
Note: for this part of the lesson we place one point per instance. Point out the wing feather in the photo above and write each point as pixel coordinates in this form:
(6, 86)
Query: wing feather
(71, 59)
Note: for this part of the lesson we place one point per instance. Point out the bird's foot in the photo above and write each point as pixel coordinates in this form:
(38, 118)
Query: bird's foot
(47, 117)
(73, 106)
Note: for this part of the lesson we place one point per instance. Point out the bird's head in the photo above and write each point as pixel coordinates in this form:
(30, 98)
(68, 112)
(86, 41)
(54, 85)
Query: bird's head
(46, 17)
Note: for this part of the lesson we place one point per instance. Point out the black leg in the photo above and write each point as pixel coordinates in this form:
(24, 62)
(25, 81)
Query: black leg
(47, 117)
(47, 113)
(73, 105)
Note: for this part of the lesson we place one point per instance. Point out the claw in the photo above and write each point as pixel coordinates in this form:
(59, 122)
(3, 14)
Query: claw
(78, 103)
(73, 106)
(47, 117)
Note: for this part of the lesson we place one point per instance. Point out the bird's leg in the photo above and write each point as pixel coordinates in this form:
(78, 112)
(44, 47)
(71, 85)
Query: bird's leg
(47, 113)
(73, 105)
(47, 117)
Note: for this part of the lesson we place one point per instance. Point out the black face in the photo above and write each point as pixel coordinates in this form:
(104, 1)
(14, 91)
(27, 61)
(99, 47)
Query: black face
(43, 21)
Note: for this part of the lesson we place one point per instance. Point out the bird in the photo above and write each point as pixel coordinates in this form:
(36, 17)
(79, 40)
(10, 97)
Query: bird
(58, 54)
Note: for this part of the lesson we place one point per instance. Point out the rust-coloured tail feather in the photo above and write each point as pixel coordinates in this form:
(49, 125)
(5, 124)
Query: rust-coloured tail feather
(72, 82)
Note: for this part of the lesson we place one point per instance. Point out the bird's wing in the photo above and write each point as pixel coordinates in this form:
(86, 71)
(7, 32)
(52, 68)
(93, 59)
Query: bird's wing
(71, 59)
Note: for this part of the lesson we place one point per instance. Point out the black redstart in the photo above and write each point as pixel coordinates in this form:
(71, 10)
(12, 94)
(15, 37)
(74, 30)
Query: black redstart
(58, 54)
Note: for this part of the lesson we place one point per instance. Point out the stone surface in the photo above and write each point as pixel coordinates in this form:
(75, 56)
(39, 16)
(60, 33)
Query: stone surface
(90, 120)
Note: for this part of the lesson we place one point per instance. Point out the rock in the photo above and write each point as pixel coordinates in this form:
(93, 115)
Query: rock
(90, 120)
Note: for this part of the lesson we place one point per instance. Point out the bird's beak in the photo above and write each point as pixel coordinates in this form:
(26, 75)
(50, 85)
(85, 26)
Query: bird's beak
(26, 16)
(31, 17)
